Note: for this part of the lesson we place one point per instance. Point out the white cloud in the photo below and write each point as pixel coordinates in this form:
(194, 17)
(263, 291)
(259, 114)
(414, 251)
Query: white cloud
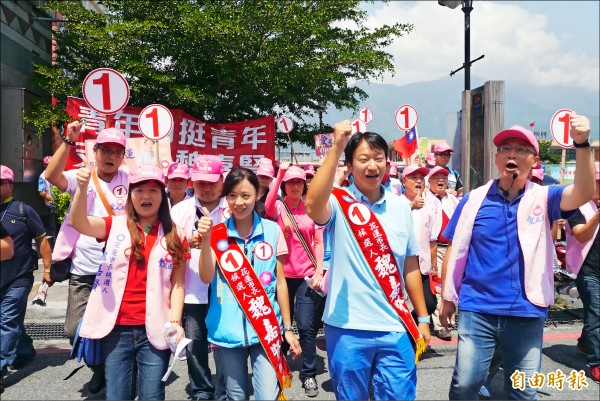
(518, 44)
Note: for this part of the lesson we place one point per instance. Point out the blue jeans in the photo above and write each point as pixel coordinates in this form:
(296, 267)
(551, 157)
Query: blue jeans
(13, 339)
(589, 291)
(234, 362)
(519, 340)
(122, 349)
(194, 316)
(306, 301)
(357, 357)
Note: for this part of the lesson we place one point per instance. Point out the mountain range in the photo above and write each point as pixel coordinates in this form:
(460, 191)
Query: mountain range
(439, 101)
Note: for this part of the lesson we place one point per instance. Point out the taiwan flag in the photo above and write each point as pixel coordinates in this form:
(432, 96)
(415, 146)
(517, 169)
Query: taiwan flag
(407, 145)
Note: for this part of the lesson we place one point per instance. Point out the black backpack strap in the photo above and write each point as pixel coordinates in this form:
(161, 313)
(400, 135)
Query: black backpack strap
(25, 217)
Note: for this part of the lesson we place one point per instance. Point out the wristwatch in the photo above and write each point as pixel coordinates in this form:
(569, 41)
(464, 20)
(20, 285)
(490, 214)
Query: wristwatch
(426, 319)
(585, 144)
(288, 328)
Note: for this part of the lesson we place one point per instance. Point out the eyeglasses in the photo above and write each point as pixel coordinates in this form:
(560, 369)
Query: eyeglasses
(443, 154)
(106, 152)
(520, 150)
(434, 178)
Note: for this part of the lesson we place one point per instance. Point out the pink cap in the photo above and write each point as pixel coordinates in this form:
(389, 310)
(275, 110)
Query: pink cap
(294, 172)
(537, 173)
(207, 168)
(430, 159)
(265, 167)
(111, 135)
(178, 170)
(7, 174)
(47, 159)
(442, 147)
(147, 172)
(393, 168)
(413, 168)
(310, 170)
(519, 132)
(438, 169)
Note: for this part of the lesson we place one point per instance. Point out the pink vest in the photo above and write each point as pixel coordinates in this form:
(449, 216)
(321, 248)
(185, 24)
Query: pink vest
(576, 251)
(430, 219)
(108, 289)
(67, 236)
(534, 237)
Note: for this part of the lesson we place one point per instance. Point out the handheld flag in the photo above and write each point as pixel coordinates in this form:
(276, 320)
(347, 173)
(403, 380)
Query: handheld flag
(407, 145)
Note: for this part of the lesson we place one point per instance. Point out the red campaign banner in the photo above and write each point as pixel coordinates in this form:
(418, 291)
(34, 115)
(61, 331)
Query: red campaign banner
(237, 144)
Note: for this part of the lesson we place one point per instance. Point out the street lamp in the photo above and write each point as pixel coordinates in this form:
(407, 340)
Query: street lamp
(467, 7)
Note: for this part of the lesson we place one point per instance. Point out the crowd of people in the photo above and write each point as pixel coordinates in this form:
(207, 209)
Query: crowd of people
(230, 260)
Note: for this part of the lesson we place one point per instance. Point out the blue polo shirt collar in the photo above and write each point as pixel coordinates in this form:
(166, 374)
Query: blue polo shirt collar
(363, 199)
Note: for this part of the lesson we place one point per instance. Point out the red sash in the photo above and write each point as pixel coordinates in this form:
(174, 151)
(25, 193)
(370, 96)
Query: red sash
(253, 300)
(373, 243)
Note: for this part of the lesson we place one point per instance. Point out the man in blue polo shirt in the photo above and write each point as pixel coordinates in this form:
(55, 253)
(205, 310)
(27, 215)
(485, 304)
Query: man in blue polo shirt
(23, 225)
(367, 342)
(501, 274)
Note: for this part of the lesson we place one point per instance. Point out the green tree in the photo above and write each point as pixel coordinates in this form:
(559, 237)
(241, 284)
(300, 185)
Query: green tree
(221, 61)
(548, 155)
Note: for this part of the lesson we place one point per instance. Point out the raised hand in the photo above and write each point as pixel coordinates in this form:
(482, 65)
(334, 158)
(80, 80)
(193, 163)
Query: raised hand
(84, 174)
(73, 130)
(205, 224)
(580, 128)
(418, 202)
(342, 132)
(284, 166)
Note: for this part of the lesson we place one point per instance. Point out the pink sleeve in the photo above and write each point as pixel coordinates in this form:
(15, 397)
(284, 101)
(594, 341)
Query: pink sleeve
(282, 248)
(271, 201)
(319, 248)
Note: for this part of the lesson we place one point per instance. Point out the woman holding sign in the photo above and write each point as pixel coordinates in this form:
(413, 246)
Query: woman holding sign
(139, 285)
(249, 298)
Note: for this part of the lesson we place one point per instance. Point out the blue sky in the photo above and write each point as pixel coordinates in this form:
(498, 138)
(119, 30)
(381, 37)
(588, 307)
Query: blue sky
(543, 43)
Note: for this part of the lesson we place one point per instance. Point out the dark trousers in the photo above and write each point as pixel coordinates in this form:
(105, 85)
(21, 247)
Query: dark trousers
(305, 301)
(194, 324)
(430, 299)
(79, 293)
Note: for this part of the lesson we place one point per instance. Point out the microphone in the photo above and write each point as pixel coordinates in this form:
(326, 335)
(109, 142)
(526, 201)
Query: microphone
(505, 191)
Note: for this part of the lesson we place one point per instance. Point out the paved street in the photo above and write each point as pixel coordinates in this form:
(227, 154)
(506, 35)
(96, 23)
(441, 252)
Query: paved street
(43, 377)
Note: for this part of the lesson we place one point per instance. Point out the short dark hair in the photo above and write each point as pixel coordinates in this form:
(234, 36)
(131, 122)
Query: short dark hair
(374, 140)
(237, 175)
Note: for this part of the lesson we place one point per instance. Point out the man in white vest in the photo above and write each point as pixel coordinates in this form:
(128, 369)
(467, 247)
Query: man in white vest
(107, 194)
(207, 178)
(498, 266)
(583, 259)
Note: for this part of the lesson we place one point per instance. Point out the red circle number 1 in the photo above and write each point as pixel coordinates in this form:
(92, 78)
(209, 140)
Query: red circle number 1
(560, 126)
(104, 81)
(154, 116)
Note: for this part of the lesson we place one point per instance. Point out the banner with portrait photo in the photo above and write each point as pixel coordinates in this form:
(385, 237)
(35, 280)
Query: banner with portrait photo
(237, 144)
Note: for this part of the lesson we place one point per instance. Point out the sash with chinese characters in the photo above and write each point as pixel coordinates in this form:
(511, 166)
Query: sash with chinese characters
(373, 244)
(256, 306)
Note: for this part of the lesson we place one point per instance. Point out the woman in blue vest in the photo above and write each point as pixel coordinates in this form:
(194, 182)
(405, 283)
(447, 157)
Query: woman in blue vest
(230, 332)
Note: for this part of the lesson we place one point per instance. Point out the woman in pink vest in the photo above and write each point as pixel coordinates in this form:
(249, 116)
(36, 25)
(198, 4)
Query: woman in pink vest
(139, 285)
(305, 259)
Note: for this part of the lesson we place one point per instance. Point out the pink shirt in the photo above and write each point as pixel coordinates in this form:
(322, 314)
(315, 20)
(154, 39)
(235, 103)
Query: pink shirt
(296, 263)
